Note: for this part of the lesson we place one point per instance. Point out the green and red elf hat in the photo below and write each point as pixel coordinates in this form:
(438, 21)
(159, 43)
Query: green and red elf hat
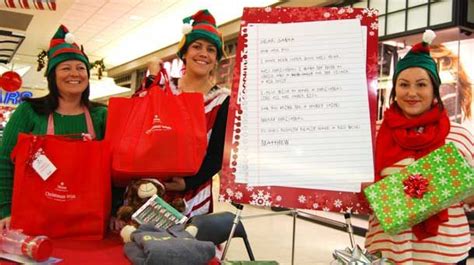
(419, 56)
(63, 48)
(201, 25)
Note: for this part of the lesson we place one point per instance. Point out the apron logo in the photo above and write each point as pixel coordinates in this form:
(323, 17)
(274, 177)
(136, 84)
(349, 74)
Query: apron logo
(158, 126)
(60, 193)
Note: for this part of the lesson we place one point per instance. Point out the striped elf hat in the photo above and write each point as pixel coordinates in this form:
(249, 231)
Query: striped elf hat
(62, 48)
(419, 56)
(201, 25)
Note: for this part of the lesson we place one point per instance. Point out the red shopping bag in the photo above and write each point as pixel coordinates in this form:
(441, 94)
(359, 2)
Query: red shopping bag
(157, 135)
(75, 200)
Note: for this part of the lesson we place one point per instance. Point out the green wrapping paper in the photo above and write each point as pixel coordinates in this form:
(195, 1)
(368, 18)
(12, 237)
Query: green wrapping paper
(449, 179)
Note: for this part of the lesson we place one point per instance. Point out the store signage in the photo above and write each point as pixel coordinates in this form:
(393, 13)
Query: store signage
(13, 98)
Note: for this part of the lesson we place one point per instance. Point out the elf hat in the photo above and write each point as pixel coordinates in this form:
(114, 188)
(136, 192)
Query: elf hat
(419, 56)
(203, 27)
(62, 48)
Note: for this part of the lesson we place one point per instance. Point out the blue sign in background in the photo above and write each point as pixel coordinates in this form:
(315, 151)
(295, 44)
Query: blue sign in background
(13, 98)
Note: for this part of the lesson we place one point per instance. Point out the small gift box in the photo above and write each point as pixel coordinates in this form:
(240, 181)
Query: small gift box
(422, 189)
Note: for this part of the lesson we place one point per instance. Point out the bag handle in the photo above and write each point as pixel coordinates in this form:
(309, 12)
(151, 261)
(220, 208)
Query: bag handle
(162, 74)
(90, 126)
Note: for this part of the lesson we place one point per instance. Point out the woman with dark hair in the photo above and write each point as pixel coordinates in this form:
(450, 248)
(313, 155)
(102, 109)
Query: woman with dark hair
(415, 125)
(66, 110)
(201, 48)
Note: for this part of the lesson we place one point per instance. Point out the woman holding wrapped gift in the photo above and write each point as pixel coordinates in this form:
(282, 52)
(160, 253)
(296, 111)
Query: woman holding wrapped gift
(67, 102)
(201, 48)
(415, 125)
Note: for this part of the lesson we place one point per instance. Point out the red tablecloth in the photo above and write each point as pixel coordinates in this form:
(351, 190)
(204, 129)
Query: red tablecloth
(107, 251)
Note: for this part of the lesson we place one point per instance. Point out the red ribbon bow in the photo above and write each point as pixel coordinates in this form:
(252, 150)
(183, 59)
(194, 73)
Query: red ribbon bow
(416, 186)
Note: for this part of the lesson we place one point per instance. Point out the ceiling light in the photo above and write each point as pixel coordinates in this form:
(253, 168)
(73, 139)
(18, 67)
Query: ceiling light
(135, 18)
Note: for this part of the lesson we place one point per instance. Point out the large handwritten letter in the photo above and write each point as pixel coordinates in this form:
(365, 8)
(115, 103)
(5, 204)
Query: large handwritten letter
(305, 119)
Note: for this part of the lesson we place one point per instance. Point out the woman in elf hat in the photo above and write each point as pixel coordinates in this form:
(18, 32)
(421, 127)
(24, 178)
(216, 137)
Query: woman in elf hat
(67, 103)
(201, 48)
(416, 124)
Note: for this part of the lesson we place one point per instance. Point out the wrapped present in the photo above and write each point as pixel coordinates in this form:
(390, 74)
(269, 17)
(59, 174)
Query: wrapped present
(422, 189)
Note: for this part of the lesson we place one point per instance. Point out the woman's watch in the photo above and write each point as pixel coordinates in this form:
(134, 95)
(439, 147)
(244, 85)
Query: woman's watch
(149, 80)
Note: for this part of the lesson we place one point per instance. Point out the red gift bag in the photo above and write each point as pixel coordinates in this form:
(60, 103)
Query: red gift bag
(157, 135)
(75, 200)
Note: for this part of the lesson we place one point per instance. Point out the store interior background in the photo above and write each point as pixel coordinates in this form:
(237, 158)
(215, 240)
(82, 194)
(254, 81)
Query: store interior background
(125, 34)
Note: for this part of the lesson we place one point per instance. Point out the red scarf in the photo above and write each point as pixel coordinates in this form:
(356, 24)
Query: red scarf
(400, 137)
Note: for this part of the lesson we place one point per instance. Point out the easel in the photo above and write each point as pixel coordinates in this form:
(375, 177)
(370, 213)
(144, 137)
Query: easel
(294, 213)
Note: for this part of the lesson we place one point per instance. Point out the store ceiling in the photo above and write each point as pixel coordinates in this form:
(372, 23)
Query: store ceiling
(116, 30)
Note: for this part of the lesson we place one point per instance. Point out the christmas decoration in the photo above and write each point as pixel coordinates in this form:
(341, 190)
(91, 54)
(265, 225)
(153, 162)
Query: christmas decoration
(415, 186)
(30, 4)
(10, 81)
(356, 256)
(422, 189)
(40, 60)
(201, 25)
(419, 56)
(99, 64)
(63, 48)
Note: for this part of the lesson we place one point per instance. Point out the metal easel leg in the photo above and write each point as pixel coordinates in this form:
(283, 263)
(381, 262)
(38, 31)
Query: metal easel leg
(234, 226)
(350, 231)
(294, 212)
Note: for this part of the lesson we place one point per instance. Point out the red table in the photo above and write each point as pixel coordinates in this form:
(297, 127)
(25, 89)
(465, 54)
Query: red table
(106, 251)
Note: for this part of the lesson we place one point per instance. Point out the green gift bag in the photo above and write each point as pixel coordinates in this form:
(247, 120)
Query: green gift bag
(422, 189)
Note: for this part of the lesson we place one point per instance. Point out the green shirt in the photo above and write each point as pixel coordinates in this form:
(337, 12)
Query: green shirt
(25, 119)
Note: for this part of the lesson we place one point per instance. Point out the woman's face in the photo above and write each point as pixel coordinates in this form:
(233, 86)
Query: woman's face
(414, 92)
(71, 78)
(201, 57)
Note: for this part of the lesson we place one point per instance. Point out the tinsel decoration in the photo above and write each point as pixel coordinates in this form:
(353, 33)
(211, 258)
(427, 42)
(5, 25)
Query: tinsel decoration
(99, 64)
(40, 60)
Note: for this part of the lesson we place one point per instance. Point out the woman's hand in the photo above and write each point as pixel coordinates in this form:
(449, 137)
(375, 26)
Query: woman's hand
(5, 223)
(176, 184)
(469, 201)
(116, 225)
(154, 66)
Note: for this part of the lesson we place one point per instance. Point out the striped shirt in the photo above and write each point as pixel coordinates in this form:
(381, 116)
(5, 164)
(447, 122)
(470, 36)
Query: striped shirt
(452, 243)
(198, 194)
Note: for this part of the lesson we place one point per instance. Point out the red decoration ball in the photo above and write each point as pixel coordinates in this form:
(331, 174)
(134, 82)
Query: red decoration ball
(10, 81)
